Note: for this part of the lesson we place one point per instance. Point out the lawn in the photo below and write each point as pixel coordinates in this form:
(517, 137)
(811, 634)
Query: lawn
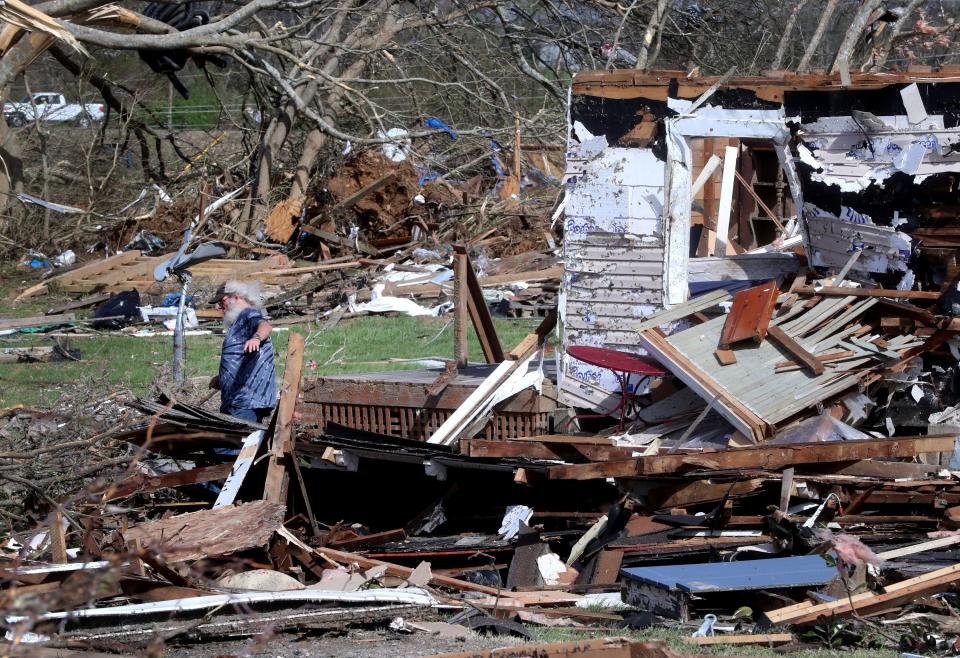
(110, 361)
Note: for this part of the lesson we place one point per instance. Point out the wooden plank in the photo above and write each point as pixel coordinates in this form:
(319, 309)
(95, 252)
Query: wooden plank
(461, 311)
(210, 532)
(832, 291)
(680, 311)
(726, 200)
(796, 349)
(482, 321)
(749, 315)
(913, 549)
(275, 489)
(607, 570)
(703, 491)
(705, 174)
(137, 270)
(752, 638)
(241, 466)
(725, 357)
(756, 457)
(58, 541)
(498, 449)
(534, 338)
(145, 484)
(786, 489)
(730, 408)
(373, 539)
(36, 321)
(895, 595)
(824, 358)
(548, 274)
(92, 300)
(85, 270)
(343, 557)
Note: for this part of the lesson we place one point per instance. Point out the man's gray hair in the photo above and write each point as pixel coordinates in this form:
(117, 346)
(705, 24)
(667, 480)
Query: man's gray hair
(248, 290)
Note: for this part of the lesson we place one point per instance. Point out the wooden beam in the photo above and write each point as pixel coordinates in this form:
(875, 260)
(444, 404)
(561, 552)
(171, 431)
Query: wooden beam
(705, 174)
(548, 274)
(58, 541)
(145, 484)
(275, 489)
(833, 291)
(36, 321)
(351, 200)
(91, 300)
(765, 638)
(314, 526)
(534, 339)
(461, 310)
(913, 549)
(756, 457)
(726, 200)
(480, 313)
(209, 532)
(895, 595)
(364, 541)
(796, 349)
(498, 449)
(343, 557)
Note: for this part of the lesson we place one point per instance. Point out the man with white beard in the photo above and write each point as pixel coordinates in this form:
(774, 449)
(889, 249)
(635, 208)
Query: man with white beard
(247, 378)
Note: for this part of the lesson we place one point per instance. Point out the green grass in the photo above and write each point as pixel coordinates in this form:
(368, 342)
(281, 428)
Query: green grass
(111, 361)
(674, 637)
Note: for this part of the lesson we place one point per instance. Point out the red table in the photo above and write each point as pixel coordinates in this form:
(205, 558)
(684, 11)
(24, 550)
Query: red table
(622, 364)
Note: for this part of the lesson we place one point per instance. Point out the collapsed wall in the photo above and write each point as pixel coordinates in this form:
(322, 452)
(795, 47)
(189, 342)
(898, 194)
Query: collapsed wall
(652, 216)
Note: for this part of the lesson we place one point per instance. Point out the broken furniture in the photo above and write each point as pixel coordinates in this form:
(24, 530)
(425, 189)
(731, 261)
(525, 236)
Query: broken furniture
(676, 591)
(399, 403)
(622, 365)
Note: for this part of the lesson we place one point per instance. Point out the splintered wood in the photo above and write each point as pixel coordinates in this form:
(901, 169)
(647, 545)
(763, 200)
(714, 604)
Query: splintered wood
(209, 533)
(130, 269)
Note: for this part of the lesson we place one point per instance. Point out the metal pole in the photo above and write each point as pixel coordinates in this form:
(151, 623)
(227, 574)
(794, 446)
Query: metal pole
(178, 337)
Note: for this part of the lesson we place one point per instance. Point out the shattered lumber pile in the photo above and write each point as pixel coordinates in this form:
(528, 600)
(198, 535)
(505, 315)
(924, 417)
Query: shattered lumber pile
(783, 469)
(815, 521)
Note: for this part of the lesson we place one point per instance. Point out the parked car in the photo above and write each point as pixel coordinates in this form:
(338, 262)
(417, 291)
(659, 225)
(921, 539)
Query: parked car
(51, 106)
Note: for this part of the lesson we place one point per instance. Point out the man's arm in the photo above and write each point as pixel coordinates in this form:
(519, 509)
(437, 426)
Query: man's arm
(261, 334)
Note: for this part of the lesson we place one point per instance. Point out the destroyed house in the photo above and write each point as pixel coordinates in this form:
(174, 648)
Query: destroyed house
(676, 186)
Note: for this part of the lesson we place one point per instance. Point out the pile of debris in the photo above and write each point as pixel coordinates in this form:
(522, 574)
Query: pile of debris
(747, 429)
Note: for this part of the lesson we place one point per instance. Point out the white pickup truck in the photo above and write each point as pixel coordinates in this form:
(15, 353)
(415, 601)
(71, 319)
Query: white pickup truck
(50, 106)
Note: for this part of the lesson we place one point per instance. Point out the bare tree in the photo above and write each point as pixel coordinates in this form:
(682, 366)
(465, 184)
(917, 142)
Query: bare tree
(824, 22)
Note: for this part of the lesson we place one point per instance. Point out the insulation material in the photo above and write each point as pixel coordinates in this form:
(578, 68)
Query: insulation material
(834, 239)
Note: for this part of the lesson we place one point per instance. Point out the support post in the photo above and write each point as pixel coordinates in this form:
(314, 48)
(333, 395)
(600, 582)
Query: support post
(281, 445)
(461, 309)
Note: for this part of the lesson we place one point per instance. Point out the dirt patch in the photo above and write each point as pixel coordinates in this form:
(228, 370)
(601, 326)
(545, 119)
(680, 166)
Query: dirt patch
(378, 211)
(353, 644)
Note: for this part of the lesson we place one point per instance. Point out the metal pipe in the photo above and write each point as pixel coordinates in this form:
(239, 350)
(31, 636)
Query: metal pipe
(178, 334)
